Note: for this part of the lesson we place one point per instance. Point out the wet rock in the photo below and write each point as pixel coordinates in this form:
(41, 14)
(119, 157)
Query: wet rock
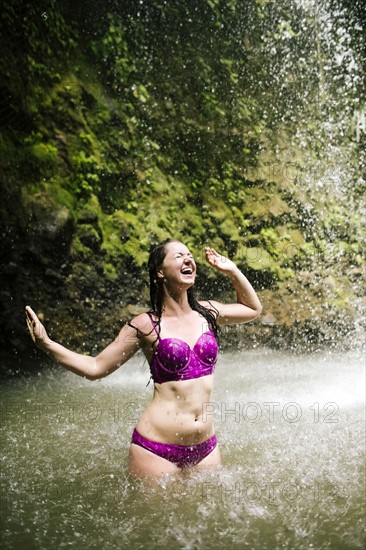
(55, 275)
(88, 217)
(89, 237)
(48, 228)
(9, 269)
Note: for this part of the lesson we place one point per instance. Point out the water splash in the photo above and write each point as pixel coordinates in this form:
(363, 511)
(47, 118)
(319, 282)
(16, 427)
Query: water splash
(287, 481)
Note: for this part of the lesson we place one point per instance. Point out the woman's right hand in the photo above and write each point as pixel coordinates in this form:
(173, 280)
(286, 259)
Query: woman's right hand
(36, 329)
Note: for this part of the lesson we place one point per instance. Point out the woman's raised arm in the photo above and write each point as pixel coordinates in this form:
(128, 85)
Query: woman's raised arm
(113, 356)
(248, 306)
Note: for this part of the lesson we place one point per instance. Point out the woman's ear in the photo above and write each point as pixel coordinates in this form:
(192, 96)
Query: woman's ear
(160, 274)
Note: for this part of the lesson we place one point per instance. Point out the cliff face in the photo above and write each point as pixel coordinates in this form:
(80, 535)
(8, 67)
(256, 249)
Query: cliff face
(124, 123)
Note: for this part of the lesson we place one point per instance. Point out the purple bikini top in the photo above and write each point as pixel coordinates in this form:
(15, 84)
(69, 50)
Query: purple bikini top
(174, 360)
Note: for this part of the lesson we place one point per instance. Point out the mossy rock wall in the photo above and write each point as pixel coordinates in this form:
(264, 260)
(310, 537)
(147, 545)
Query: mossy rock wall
(122, 128)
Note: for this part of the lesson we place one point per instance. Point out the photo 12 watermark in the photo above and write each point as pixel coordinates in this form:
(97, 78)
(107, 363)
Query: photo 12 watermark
(89, 488)
(71, 412)
(270, 411)
(271, 493)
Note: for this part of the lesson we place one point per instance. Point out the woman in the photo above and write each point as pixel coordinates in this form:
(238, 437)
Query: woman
(179, 339)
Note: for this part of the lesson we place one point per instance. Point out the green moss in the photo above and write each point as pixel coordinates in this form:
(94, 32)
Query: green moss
(89, 209)
(44, 153)
(109, 272)
(79, 251)
(117, 230)
(61, 195)
(89, 237)
(137, 154)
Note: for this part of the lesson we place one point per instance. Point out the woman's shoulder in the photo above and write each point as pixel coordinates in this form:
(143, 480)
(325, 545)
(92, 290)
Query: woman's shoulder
(211, 305)
(142, 322)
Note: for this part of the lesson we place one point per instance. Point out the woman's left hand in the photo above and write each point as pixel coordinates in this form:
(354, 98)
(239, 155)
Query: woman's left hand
(219, 262)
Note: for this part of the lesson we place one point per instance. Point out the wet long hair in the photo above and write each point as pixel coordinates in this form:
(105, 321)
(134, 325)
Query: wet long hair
(155, 262)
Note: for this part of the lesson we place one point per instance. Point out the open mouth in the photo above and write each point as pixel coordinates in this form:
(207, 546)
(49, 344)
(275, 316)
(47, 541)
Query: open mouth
(187, 271)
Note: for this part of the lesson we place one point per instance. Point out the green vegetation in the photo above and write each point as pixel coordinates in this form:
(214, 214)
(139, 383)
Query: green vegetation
(121, 127)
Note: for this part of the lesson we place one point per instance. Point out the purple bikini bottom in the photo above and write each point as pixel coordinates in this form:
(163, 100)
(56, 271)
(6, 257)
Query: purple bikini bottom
(181, 455)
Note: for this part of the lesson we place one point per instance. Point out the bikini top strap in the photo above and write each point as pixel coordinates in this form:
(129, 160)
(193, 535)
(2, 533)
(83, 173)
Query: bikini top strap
(154, 325)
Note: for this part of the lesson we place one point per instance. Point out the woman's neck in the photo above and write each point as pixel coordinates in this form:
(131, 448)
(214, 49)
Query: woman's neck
(175, 303)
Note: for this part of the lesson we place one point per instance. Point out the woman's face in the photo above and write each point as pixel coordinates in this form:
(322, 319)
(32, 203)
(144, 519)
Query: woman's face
(178, 266)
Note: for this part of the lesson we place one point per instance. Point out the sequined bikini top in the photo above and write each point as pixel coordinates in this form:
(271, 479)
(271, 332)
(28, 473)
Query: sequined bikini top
(174, 359)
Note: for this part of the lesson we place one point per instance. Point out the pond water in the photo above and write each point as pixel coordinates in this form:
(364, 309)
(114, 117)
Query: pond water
(292, 438)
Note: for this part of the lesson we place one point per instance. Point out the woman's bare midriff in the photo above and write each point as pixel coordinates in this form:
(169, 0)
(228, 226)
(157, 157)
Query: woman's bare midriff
(179, 412)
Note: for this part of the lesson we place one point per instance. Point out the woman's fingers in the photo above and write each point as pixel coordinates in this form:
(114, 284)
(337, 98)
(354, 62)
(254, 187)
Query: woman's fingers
(36, 329)
(213, 257)
(31, 322)
(209, 256)
(31, 317)
(219, 262)
(210, 252)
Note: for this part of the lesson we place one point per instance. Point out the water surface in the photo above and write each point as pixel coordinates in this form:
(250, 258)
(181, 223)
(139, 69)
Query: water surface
(291, 432)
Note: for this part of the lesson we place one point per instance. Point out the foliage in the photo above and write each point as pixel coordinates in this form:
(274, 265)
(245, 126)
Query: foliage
(197, 120)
